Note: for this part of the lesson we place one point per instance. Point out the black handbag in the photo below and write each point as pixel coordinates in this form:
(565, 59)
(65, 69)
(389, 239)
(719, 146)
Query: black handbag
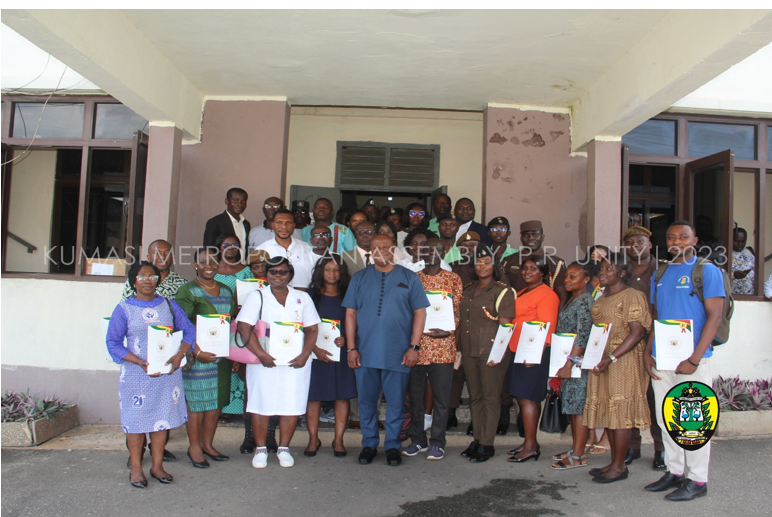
(552, 419)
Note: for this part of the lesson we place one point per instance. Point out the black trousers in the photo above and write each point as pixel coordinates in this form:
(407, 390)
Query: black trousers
(440, 380)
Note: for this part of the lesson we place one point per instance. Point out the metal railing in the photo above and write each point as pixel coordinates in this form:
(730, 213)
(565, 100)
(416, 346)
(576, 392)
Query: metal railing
(30, 247)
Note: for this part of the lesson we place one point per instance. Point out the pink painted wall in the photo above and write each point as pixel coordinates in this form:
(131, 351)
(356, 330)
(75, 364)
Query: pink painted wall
(243, 144)
(529, 174)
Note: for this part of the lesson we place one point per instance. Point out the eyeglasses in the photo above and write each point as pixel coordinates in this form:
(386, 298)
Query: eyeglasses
(325, 235)
(269, 206)
(413, 213)
(365, 232)
(498, 230)
(278, 272)
(152, 278)
(229, 245)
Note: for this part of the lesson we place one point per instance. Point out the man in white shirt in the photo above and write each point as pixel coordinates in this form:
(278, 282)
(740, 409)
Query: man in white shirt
(321, 237)
(284, 244)
(264, 232)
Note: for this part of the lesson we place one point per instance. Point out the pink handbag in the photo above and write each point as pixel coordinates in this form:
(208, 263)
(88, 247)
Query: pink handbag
(241, 354)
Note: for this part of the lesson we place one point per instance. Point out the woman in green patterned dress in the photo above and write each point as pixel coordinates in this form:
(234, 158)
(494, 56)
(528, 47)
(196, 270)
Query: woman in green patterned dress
(203, 392)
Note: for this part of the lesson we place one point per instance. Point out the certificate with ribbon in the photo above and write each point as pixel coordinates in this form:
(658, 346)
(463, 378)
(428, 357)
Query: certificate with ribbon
(329, 331)
(533, 335)
(596, 345)
(162, 344)
(560, 348)
(213, 333)
(439, 313)
(286, 341)
(246, 286)
(501, 342)
(673, 343)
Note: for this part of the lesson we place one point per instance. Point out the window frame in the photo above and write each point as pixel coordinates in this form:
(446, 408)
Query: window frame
(87, 143)
(762, 163)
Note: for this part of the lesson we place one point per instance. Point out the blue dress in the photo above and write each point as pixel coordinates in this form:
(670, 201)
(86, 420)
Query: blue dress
(147, 403)
(336, 380)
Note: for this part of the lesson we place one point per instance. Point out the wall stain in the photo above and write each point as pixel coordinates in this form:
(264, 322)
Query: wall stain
(511, 124)
(496, 172)
(536, 140)
(500, 497)
(555, 135)
(558, 116)
(514, 140)
(497, 139)
(508, 179)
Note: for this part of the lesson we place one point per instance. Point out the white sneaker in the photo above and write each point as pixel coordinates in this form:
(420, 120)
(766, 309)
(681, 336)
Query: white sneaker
(285, 458)
(427, 422)
(260, 459)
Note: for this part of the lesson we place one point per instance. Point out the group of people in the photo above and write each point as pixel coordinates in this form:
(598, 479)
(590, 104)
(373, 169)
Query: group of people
(370, 271)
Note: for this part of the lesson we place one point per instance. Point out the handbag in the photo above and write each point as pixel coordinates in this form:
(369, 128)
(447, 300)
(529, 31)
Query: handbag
(553, 420)
(238, 350)
(190, 359)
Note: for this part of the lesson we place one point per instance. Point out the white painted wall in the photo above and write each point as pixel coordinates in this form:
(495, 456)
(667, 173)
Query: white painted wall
(748, 352)
(30, 209)
(56, 323)
(314, 133)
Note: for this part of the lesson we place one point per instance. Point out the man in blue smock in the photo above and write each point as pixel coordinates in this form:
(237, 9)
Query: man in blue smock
(672, 299)
(385, 315)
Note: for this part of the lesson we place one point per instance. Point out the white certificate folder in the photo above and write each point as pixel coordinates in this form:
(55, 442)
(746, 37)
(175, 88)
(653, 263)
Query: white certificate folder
(286, 341)
(674, 343)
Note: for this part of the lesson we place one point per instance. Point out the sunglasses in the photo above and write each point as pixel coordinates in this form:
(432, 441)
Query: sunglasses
(229, 245)
(269, 206)
(413, 213)
(278, 272)
(498, 230)
(321, 235)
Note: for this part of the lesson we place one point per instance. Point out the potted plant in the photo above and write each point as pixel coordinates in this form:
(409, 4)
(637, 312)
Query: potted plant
(746, 406)
(29, 420)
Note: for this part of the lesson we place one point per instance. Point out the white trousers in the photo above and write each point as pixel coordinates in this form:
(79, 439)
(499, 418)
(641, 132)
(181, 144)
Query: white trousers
(677, 459)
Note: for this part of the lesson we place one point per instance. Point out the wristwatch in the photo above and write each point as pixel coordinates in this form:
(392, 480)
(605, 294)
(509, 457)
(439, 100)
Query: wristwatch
(613, 359)
(355, 349)
(415, 347)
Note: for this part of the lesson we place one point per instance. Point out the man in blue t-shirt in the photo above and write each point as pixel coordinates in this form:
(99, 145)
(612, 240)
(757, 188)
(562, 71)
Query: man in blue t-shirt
(674, 300)
(385, 315)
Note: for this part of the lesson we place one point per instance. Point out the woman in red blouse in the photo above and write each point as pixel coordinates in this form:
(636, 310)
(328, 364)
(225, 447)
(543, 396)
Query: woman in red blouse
(528, 382)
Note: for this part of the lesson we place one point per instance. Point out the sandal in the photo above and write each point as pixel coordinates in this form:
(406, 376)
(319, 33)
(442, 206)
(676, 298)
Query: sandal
(581, 462)
(597, 449)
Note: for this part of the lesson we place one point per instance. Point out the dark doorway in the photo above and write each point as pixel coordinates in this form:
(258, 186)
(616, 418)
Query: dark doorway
(652, 201)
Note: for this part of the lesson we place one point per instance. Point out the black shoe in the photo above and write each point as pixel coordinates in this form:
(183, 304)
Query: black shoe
(632, 454)
(168, 456)
(338, 454)
(393, 457)
(659, 461)
(666, 482)
(688, 491)
(165, 480)
(216, 457)
(368, 454)
(452, 420)
(503, 426)
(311, 454)
(248, 445)
(535, 455)
(198, 464)
(138, 484)
(471, 450)
(484, 453)
(620, 477)
(470, 429)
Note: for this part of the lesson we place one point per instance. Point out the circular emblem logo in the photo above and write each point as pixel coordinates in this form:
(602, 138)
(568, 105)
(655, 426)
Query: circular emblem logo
(161, 345)
(326, 337)
(286, 340)
(674, 343)
(437, 308)
(213, 332)
(531, 339)
(596, 342)
(161, 425)
(690, 412)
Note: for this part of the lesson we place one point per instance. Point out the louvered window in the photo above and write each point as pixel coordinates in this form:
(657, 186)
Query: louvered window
(375, 165)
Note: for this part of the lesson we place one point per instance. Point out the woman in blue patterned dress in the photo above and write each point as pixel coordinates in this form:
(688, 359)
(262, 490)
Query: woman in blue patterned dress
(204, 295)
(149, 403)
(575, 318)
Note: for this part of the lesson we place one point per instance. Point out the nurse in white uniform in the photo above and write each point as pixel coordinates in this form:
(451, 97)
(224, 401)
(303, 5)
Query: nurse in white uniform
(277, 390)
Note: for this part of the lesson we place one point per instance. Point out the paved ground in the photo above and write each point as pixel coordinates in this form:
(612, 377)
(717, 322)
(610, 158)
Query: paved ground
(90, 478)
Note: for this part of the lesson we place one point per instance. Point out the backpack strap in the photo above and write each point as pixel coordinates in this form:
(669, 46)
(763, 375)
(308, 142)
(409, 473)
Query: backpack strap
(658, 275)
(697, 279)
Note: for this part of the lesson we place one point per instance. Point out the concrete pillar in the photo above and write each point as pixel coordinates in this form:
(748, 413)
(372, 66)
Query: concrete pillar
(604, 192)
(531, 174)
(162, 185)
